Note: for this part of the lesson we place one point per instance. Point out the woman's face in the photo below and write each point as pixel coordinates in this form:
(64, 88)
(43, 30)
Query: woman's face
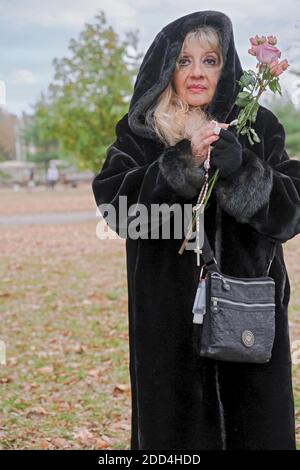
(200, 66)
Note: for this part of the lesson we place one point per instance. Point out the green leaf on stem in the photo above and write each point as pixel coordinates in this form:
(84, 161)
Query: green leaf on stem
(255, 136)
(254, 110)
(278, 86)
(243, 99)
(273, 86)
(247, 79)
(249, 137)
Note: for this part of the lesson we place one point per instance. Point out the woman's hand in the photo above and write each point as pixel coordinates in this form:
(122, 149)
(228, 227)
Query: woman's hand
(202, 139)
(226, 154)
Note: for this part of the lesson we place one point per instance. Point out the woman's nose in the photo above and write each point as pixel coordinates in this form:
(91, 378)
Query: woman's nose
(197, 70)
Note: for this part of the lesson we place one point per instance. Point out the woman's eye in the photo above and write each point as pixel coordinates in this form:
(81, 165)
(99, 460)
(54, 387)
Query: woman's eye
(181, 61)
(210, 61)
(185, 61)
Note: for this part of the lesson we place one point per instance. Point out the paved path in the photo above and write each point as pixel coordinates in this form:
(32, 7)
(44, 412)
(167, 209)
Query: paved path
(50, 218)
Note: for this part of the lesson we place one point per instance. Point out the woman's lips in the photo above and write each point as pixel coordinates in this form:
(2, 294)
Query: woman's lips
(196, 89)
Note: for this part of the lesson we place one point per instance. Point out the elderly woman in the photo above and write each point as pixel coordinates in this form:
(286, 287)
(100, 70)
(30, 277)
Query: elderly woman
(180, 400)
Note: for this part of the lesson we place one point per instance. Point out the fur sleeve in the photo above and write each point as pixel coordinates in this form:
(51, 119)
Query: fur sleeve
(132, 171)
(179, 169)
(265, 192)
(248, 189)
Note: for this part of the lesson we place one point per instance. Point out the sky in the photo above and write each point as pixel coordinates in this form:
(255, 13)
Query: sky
(33, 33)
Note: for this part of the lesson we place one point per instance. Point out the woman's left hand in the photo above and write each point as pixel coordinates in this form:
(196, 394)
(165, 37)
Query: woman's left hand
(202, 138)
(226, 153)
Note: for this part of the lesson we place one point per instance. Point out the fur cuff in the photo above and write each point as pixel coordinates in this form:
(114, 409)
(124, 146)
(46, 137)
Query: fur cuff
(179, 169)
(247, 190)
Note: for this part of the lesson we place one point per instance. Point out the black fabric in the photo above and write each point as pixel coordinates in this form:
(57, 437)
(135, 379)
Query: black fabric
(181, 401)
(226, 154)
(178, 167)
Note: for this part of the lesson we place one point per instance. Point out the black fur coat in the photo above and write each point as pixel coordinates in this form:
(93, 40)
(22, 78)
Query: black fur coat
(179, 400)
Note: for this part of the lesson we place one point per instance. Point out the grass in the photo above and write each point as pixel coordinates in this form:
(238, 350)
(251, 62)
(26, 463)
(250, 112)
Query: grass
(63, 307)
(65, 384)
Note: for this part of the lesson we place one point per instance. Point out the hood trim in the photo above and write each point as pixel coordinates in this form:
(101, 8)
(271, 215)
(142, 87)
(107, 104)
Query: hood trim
(160, 59)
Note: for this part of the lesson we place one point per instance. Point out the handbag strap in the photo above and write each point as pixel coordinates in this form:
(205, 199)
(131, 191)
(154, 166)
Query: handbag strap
(211, 262)
(208, 256)
(272, 255)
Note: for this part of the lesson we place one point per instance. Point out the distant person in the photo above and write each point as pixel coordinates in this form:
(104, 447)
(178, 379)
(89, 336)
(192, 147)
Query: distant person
(52, 175)
(31, 182)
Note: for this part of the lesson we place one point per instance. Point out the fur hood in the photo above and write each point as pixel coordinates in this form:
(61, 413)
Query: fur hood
(159, 63)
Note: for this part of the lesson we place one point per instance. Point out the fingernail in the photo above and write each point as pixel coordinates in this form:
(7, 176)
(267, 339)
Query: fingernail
(217, 130)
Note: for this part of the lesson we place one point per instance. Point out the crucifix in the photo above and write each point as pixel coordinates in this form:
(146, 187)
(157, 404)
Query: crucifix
(198, 209)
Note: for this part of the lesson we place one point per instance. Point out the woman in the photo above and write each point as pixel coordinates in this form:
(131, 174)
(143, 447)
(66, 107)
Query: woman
(179, 400)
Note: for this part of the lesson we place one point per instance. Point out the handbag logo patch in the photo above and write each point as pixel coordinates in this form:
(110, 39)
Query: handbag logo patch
(248, 338)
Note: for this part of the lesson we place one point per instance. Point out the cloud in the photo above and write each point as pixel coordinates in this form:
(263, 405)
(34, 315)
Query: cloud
(23, 77)
(33, 32)
(62, 13)
(2, 93)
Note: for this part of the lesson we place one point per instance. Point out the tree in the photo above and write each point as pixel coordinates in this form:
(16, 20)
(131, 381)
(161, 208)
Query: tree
(37, 135)
(8, 123)
(289, 116)
(89, 94)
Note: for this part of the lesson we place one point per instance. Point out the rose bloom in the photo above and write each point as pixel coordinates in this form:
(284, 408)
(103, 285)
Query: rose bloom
(277, 68)
(266, 53)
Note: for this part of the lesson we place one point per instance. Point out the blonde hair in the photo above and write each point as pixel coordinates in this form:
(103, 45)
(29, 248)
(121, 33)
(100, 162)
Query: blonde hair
(171, 117)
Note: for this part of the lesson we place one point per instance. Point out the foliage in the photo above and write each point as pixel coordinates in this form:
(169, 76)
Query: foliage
(89, 94)
(289, 116)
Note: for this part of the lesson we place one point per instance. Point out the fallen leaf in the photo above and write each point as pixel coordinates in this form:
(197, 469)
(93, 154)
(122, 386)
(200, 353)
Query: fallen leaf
(101, 444)
(85, 436)
(5, 380)
(46, 370)
(120, 388)
(79, 349)
(94, 372)
(44, 445)
(37, 410)
(60, 443)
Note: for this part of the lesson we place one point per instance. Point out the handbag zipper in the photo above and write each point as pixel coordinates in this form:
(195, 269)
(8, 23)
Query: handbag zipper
(240, 282)
(215, 301)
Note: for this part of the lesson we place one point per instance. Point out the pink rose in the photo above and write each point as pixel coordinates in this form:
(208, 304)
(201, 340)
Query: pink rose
(254, 41)
(272, 40)
(284, 64)
(252, 51)
(277, 69)
(266, 53)
(260, 39)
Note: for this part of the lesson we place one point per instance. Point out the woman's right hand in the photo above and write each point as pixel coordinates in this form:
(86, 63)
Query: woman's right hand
(202, 139)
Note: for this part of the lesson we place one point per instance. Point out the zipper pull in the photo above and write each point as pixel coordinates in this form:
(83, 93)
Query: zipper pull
(225, 284)
(214, 302)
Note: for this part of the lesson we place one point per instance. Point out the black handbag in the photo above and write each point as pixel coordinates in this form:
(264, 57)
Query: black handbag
(234, 318)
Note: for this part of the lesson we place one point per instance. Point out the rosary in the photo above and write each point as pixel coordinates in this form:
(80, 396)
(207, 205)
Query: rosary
(199, 207)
